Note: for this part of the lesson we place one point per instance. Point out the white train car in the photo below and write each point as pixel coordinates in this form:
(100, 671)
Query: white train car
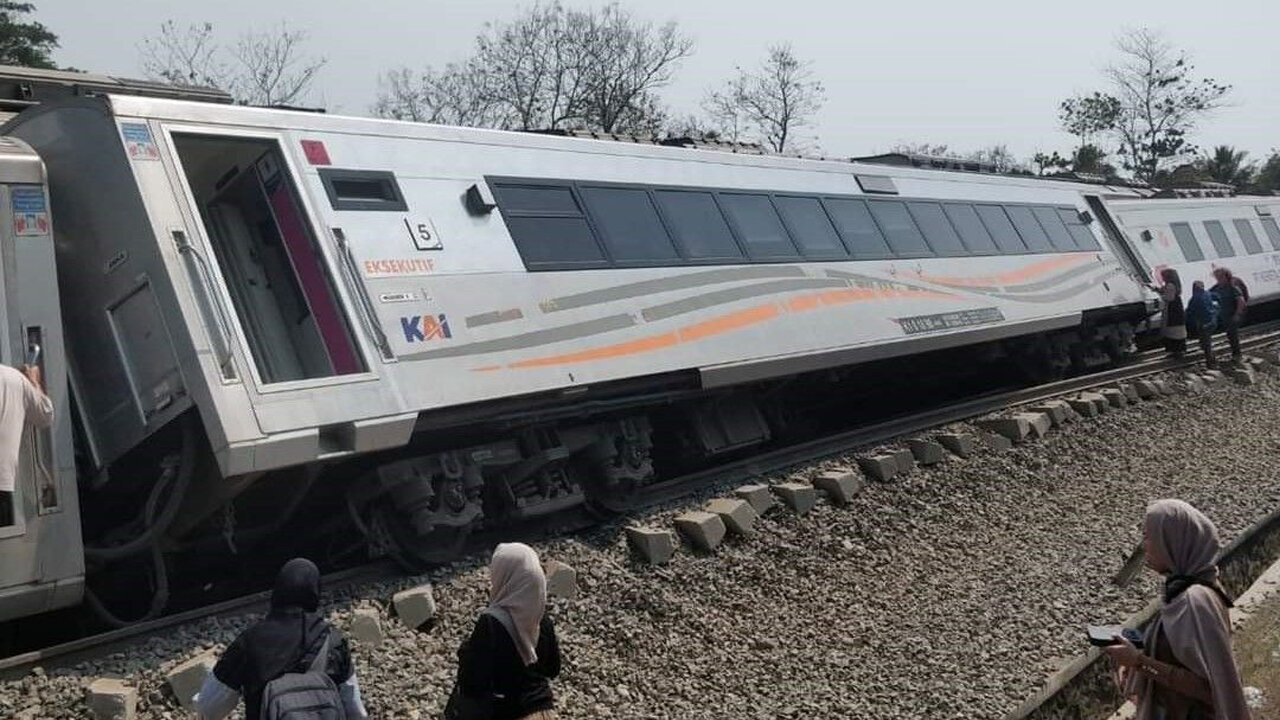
(338, 296)
(1194, 236)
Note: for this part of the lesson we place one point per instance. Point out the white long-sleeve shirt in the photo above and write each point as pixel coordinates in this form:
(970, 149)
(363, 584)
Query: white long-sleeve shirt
(20, 403)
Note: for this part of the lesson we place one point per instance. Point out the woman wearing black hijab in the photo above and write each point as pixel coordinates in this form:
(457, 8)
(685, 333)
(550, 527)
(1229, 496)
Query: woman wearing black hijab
(286, 640)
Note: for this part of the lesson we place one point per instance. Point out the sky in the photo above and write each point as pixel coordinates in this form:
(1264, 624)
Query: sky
(965, 73)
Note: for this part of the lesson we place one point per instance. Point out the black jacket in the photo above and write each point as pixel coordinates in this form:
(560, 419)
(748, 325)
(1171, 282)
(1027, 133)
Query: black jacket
(488, 662)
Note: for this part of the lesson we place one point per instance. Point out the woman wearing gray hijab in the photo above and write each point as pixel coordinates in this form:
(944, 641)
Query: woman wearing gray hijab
(1185, 670)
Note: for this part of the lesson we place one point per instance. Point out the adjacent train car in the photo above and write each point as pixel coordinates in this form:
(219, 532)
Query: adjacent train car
(1194, 236)
(459, 328)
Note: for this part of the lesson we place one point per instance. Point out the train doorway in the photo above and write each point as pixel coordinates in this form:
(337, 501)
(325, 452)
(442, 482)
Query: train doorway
(266, 250)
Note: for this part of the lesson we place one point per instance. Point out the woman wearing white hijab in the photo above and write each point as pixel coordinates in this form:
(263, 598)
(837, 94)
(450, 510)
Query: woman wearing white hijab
(1185, 670)
(512, 654)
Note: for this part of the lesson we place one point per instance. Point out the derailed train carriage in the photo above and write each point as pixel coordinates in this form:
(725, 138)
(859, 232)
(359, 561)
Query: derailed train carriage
(460, 328)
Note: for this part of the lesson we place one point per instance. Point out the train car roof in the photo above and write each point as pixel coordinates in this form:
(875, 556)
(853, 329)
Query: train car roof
(24, 87)
(292, 120)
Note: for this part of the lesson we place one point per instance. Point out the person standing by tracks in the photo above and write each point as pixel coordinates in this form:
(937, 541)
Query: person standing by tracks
(292, 639)
(1185, 669)
(1173, 318)
(22, 402)
(1202, 320)
(1231, 306)
(505, 668)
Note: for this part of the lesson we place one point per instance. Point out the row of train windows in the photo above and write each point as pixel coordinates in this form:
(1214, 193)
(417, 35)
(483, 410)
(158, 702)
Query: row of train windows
(1194, 251)
(565, 226)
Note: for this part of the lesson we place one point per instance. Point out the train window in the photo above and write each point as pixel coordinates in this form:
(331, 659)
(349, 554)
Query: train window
(1186, 237)
(899, 229)
(758, 225)
(548, 227)
(1002, 231)
(937, 228)
(860, 233)
(548, 243)
(972, 231)
(1250, 239)
(1032, 234)
(1054, 226)
(362, 190)
(629, 225)
(698, 225)
(1083, 236)
(810, 227)
(1218, 236)
(1273, 231)
(554, 199)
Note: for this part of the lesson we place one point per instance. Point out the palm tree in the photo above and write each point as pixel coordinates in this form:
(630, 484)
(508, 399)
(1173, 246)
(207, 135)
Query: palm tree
(1227, 165)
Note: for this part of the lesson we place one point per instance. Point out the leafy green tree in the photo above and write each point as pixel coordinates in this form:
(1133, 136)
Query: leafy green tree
(24, 43)
(1227, 165)
(1267, 179)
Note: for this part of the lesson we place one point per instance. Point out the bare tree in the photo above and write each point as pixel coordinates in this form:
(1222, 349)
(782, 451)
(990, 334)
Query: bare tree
(627, 61)
(445, 97)
(550, 68)
(261, 68)
(184, 55)
(272, 69)
(778, 100)
(1154, 104)
(940, 150)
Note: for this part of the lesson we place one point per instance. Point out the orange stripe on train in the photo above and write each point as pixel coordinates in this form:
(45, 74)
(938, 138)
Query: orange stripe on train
(694, 332)
(1026, 272)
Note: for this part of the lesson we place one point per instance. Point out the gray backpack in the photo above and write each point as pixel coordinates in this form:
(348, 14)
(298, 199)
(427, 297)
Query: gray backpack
(310, 695)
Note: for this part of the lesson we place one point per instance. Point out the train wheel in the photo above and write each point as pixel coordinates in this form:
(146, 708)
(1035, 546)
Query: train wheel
(392, 532)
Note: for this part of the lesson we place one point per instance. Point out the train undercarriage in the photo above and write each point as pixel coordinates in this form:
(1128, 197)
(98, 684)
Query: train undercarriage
(514, 465)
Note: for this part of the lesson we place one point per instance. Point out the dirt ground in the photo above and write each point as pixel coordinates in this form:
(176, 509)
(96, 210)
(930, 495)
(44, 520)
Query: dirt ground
(1257, 646)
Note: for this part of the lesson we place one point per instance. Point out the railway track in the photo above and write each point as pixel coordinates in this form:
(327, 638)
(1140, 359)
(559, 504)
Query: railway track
(767, 463)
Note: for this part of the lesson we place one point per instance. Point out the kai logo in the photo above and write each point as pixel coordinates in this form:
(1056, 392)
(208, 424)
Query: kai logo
(421, 328)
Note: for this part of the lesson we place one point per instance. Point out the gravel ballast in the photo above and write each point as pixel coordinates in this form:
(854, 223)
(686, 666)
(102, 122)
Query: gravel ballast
(953, 591)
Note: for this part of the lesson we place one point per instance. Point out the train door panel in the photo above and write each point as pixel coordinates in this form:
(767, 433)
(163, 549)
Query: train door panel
(1116, 239)
(269, 259)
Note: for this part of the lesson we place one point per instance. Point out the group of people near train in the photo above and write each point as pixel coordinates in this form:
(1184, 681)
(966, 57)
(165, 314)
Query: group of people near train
(1206, 312)
(294, 664)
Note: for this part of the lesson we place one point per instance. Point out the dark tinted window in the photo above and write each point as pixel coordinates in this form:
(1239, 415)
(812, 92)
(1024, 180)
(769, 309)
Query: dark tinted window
(974, 234)
(362, 190)
(541, 199)
(629, 225)
(1079, 231)
(1250, 239)
(758, 225)
(860, 233)
(1053, 225)
(1273, 231)
(1218, 237)
(899, 229)
(555, 241)
(1030, 231)
(997, 223)
(810, 227)
(699, 228)
(1187, 241)
(937, 228)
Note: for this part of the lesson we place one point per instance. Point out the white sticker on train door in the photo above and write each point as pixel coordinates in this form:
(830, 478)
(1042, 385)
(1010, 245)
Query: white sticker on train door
(137, 138)
(30, 213)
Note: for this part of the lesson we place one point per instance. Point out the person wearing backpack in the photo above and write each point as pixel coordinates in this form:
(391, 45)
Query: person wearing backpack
(1202, 320)
(505, 667)
(291, 665)
(1230, 309)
